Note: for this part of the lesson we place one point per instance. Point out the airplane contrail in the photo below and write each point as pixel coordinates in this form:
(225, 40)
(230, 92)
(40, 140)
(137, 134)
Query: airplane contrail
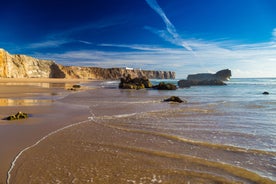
(170, 27)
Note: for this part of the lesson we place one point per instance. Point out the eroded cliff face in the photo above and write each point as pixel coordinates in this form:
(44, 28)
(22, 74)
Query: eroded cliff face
(22, 66)
(112, 73)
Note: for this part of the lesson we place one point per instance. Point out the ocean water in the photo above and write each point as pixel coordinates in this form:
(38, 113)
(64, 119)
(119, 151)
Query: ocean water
(222, 134)
(239, 108)
(237, 116)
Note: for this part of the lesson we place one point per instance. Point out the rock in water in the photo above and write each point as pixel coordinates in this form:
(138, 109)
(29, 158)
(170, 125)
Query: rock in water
(265, 93)
(203, 79)
(165, 86)
(174, 99)
(76, 86)
(17, 116)
(135, 83)
(222, 75)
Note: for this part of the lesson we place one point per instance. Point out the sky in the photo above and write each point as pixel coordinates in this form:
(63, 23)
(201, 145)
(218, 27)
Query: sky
(185, 36)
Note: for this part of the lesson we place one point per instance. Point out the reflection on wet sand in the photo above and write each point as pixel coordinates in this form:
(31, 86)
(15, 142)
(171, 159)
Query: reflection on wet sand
(37, 97)
(23, 102)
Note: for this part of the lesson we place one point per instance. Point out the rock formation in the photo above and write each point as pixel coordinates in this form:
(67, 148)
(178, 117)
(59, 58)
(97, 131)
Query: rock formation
(222, 75)
(134, 83)
(204, 79)
(17, 116)
(22, 66)
(174, 99)
(189, 83)
(165, 86)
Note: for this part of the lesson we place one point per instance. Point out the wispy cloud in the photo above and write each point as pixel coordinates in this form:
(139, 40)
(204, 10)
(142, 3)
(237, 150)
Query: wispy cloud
(48, 44)
(170, 34)
(59, 38)
(135, 47)
(85, 42)
(274, 34)
(245, 60)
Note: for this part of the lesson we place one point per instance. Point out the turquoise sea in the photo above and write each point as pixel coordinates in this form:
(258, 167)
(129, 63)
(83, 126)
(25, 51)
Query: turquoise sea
(236, 115)
(241, 108)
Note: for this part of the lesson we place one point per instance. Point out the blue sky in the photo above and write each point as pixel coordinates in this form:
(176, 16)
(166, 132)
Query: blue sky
(186, 36)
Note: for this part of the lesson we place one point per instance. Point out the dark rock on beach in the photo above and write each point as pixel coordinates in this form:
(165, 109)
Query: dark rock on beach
(17, 116)
(174, 99)
(76, 86)
(165, 86)
(135, 83)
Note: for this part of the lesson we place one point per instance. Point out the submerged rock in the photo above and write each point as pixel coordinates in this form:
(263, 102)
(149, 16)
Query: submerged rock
(174, 99)
(17, 116)
(165, 86)
(76, 86)
(189, 83)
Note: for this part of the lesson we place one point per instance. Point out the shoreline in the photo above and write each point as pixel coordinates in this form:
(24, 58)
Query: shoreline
(48, 113)
(115, 143)
(44, 80)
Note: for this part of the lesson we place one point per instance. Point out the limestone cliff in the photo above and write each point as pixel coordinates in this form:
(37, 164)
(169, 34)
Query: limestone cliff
(22, 66)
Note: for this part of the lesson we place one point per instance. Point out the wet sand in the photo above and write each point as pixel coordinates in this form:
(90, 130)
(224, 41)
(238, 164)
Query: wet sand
(97, 153)
(36, 97)
(111, 146)
(103, 138)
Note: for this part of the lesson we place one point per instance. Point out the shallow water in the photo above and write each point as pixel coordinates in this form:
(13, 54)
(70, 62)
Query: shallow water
(224, 134)
(46, 115)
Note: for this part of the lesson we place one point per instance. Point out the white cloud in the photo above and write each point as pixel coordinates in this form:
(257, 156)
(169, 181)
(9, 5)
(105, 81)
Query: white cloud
(245, 60)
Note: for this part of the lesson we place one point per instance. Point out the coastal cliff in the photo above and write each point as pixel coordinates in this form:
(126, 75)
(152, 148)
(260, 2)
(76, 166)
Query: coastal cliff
(22, 66)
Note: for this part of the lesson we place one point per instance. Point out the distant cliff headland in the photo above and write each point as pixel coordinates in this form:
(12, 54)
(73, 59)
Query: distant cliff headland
(22, 66)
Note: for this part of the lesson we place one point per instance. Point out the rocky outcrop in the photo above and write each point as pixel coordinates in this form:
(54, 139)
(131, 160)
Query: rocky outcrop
(174, 99)
(222, 75)
(189, 83)
(204, 79)
(134, 83)
(165, 86)
(113, 73)
(22, 66)
(17, 116)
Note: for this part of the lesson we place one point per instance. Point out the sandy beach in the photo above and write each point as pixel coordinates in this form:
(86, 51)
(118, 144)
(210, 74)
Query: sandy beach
(36, 97)
(108, 135)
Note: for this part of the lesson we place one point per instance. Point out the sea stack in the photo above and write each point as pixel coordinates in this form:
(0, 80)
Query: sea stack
(203, 79)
